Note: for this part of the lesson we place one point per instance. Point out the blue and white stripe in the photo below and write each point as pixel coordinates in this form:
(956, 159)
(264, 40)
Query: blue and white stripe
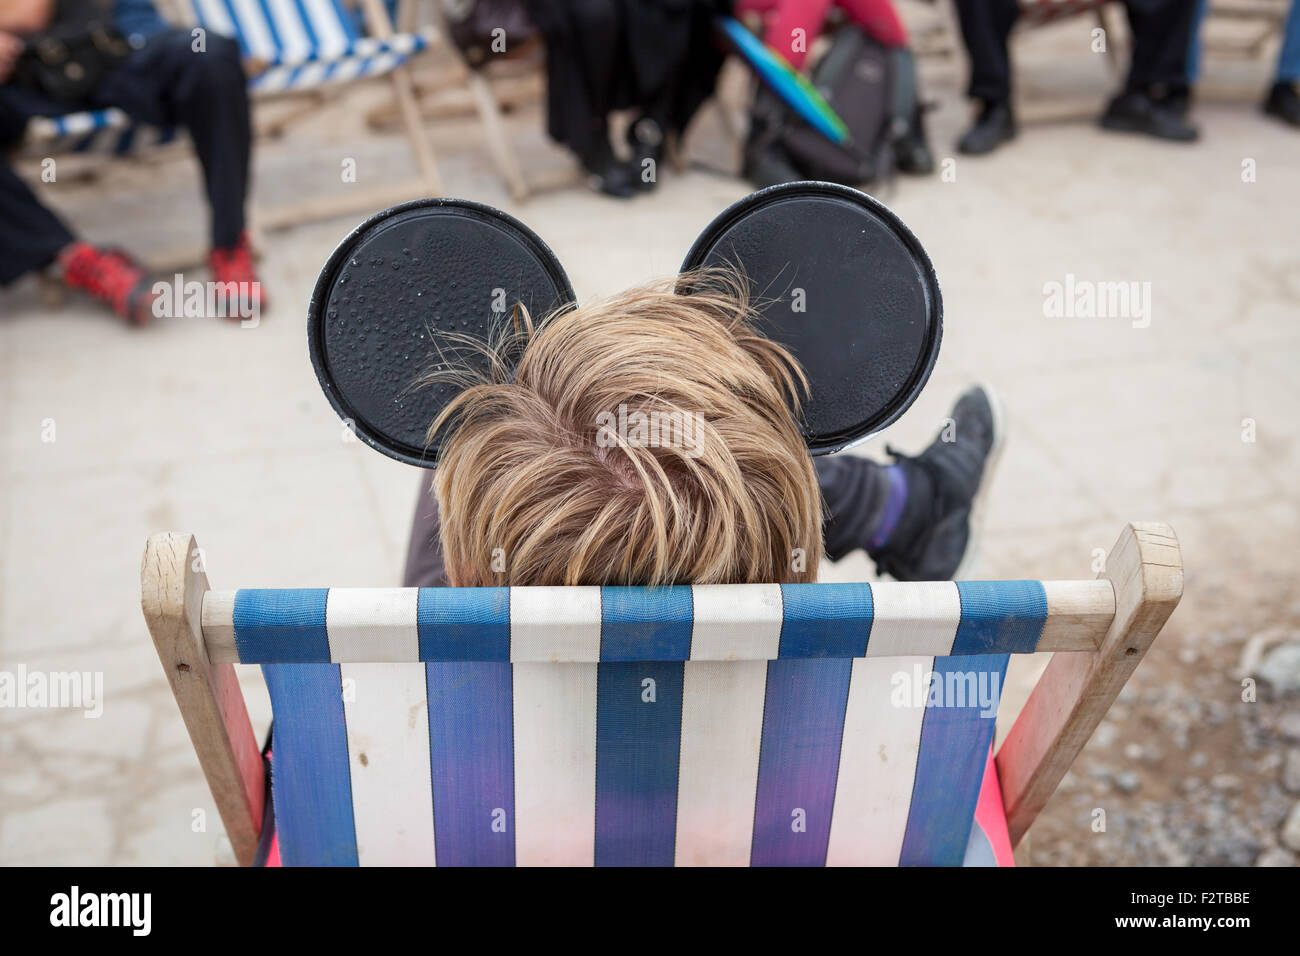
(613, 624)
(578, 726)
(304, 44)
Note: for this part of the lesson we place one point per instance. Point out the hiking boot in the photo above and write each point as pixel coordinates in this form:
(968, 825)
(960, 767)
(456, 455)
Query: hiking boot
(112, 277)
(936, 536)
(235, 264)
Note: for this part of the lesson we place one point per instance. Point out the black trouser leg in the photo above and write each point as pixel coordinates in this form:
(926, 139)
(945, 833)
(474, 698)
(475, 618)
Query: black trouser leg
(855, 490)
(1162, 30)
(584, 67)
(168, 83)
(30, 234)
(985, 26)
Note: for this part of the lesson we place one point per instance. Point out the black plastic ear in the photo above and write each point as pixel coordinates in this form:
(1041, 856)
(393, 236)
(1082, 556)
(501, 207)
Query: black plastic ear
(406, 286)
(847, 288)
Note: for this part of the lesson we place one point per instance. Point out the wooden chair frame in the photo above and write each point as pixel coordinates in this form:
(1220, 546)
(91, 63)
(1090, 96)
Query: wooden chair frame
(1099, 633)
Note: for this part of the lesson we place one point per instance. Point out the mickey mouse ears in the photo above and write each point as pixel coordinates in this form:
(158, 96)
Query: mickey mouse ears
(841, 282)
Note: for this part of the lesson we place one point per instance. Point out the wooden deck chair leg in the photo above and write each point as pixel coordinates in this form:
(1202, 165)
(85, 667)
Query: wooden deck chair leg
(173, 584)
(489, 114)
(409, 110)
(1145, 569)
(1112, 52)
(379, 25)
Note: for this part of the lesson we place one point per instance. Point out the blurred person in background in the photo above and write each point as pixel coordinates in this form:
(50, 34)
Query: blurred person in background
(125, 56)
(656, 57)
(1283, 97)
(791, 27)
(1161, 32)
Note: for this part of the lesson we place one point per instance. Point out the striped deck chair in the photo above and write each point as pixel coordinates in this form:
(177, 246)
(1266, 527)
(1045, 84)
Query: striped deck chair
(734, 724)
(289, 47)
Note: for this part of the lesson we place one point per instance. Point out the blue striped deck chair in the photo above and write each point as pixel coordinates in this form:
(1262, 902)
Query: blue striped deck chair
(289, 47)
(812, 724)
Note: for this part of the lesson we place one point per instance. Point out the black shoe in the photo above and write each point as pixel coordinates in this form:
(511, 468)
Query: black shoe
(994, 126)
(606, 174)
(1284, 102)
(912, 151)
(1139, 113)
(935, 538)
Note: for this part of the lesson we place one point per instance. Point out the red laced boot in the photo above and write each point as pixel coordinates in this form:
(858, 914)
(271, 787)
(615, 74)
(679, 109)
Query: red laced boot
(235, 264)
(111, 276)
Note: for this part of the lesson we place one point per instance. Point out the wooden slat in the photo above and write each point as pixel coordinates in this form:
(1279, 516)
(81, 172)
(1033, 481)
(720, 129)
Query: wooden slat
(211, 703)
(378, 25)
(1076, 690)
(1078, 616)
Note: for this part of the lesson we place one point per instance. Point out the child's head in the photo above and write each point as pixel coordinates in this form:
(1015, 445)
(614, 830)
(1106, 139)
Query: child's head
(646, 439)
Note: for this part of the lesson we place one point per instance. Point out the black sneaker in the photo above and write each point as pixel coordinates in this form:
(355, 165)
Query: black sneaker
(1284, 103)
(1139, 113)
(995, 125)
(936, 537)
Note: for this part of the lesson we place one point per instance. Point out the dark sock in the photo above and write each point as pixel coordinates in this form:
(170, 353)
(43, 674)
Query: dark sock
(901, 520)
(892, 512)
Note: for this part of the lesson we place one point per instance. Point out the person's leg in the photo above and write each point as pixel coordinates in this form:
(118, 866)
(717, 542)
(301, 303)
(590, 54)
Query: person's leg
(31, 235)
(1162, 31)
(1162, 36)
(1177, 96)
(1194, 43)
(985, 27)
(918, 517)
(1288, 60)
(864, 501)
(424, 564)
(167, 83)
(1283, 100)
(585, 63)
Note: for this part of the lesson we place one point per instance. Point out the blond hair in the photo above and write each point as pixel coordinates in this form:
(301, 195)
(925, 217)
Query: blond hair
(542, 481)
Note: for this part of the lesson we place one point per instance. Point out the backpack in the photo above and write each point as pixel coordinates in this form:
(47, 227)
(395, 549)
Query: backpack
(871, 87)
